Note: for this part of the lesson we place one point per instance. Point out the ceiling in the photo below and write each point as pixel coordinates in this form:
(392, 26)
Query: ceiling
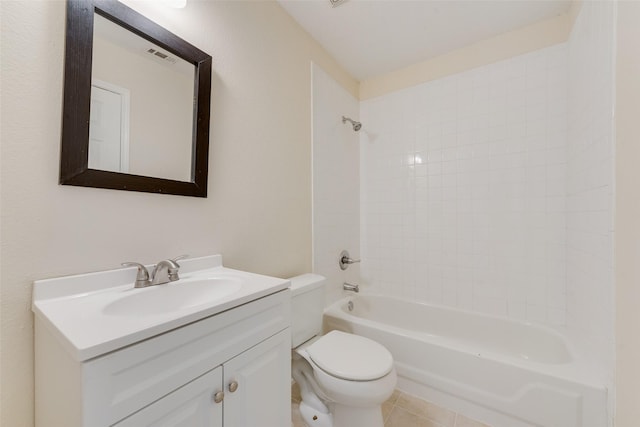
(373, 37)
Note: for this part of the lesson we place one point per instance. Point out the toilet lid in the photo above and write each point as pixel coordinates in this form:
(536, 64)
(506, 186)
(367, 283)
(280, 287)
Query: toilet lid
(350, 357)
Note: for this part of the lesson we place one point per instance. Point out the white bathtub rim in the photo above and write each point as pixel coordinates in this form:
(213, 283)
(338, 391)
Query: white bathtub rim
(579, 370)
(552, 331)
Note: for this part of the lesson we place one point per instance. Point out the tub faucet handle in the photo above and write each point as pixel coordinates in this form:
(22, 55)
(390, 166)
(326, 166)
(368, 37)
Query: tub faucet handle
(350, 287)
(346, 260)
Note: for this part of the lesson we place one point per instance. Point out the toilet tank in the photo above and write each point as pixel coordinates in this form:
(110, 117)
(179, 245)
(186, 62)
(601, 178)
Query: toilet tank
(307, 306)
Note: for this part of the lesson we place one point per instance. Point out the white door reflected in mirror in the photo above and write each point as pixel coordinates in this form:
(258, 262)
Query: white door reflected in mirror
(160, 114)
(109, 129)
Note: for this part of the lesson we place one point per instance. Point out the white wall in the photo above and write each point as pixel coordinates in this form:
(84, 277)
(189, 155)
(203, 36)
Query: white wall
(627, 215)
(463, 189)
(336, 170)
(258, 213)
(590, 184)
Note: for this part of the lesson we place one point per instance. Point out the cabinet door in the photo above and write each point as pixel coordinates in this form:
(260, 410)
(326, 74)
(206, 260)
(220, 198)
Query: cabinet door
(192, 405)
(261, 380)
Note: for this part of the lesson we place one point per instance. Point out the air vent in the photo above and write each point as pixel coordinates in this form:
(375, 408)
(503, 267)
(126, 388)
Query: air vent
(336, 3)
(161, 55)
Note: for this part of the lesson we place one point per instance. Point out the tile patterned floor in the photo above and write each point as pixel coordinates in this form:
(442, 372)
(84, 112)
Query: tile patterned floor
(402, 410)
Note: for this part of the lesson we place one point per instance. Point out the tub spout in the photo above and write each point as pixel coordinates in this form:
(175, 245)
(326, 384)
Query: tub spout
(349, 287)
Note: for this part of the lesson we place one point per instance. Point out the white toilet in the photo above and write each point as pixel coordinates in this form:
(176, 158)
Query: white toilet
(343, 378)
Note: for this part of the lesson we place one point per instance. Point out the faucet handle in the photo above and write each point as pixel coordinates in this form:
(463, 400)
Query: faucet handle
(142, 278)
(178, 258)
(173, 272)
(345, 260)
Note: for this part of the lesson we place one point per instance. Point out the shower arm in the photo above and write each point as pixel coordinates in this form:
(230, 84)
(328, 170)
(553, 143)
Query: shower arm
(356, 125)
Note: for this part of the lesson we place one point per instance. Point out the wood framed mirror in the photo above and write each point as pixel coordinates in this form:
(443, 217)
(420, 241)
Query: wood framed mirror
(138, 166)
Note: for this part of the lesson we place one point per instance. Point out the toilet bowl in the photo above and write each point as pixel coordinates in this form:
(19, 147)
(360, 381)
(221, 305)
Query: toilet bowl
(343, 378)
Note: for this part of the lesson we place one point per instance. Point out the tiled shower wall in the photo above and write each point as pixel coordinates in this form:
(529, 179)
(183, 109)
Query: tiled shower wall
(590, 184)
(463, 189)
(489, 190)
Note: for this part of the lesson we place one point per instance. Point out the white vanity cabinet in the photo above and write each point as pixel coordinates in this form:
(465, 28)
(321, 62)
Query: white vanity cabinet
(251, 388)
(172, 379)
(190, 405)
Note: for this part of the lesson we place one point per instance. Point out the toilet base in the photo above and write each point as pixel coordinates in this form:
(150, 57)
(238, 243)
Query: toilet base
(342, 416)
(350, 416)
(315, 418)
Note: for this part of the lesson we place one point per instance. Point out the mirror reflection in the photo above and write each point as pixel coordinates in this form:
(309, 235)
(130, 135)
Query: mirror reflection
(142, 103)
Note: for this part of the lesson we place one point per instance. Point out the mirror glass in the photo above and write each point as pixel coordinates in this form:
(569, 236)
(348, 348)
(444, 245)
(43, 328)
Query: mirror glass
(137, 102)
(141, 106)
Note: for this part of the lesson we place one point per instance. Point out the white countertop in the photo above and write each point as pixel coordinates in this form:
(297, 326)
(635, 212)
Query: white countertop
(72, 307)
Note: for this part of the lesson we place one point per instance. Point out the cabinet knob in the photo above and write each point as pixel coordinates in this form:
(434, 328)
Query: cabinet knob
(218, 397)
(233, 386)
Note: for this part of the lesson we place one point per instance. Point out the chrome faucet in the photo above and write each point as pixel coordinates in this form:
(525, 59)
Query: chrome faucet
(349, 287)
(165, 271)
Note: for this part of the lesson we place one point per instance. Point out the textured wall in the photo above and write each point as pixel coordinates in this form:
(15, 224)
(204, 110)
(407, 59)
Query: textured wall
(258, 213)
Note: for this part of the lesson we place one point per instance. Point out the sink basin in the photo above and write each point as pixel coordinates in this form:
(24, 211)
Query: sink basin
(173, 296)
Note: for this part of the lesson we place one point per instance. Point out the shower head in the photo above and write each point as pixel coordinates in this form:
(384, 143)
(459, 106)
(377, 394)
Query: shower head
(356, 125)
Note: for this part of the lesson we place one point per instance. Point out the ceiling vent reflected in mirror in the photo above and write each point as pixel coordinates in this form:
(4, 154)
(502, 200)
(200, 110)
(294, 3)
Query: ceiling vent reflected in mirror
(161, 55)
(336, 3)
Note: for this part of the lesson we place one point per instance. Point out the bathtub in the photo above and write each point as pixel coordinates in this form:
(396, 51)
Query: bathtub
(499, 371)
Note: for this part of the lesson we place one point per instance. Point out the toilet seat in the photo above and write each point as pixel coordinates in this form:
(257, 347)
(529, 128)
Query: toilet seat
(350, 357)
